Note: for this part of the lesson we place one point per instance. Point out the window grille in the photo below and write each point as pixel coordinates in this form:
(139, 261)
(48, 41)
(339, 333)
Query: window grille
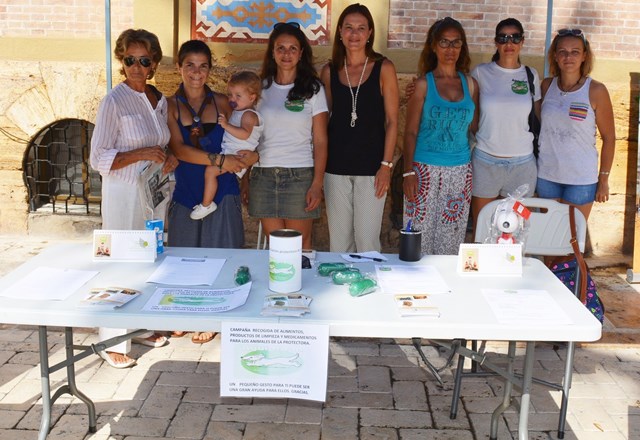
(57, 172)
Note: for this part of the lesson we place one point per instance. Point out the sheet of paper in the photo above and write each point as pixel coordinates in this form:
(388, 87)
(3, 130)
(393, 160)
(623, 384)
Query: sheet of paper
(366, 257)
(403, 279)
(48, 283)
(524, 305)
(197, 300)
(186, 271)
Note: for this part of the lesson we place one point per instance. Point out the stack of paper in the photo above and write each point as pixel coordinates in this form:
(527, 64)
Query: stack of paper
(109, 297)
(415, 305)
(292, 304)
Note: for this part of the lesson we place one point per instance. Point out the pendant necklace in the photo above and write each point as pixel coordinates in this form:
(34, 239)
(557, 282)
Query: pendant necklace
(354, 98)
(565, 92)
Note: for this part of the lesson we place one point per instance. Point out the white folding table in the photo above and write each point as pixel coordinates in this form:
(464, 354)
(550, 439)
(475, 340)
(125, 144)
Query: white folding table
(464, 313)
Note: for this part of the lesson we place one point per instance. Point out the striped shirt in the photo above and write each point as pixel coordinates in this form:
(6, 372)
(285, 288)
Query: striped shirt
(126, 121)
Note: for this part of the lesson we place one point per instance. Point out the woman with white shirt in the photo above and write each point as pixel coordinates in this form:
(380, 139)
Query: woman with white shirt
(286, 184)
(130, 132)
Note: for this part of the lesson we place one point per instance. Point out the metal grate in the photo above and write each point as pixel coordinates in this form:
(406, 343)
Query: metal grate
(57, 172)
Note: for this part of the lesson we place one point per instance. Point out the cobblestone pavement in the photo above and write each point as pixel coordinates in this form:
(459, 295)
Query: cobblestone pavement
(377, 389)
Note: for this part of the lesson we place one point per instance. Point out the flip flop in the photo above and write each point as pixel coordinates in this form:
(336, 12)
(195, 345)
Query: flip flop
(161, 341)
(196, 340)
(105, 356)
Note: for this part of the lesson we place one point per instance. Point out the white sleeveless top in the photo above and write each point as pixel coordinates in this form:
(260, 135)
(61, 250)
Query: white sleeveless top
(231, 144)
(568, 151)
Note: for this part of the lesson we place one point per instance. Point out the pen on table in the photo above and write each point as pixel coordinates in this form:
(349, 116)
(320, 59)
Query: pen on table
(367, 258)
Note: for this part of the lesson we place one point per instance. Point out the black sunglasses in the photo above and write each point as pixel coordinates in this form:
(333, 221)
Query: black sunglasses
(293, 24)
(572, 33)
(131, 60)
(504, 38)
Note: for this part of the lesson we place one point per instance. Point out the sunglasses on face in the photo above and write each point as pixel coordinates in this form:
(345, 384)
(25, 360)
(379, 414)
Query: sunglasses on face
(131, 60)
(572, 33)
(444, 43)
(293, 24)
(514, 38)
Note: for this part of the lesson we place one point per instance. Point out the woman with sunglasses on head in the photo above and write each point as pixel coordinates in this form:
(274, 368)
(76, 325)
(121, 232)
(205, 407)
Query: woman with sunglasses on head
(574, 107)
(130, 132)
(441, 111)
(362, 92)
(503, 158)
(285, 186)
(196, 139)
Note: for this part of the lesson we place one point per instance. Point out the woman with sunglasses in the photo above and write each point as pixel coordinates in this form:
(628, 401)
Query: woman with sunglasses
(503, 158)
(285, 186)
(574, 107)
(196, 138)
(441, 111)
(362, 92)
(130, 132)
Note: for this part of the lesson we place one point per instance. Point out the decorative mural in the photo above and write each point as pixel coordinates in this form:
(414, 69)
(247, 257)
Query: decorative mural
(251, 21)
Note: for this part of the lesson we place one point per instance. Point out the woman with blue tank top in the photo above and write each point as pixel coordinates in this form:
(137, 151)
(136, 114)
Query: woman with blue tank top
(573, 107)
(440, 113)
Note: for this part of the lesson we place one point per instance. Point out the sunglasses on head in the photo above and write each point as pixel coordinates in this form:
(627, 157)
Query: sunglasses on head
(293, 24)
(572, 33)
(504, 38)
(131, 60)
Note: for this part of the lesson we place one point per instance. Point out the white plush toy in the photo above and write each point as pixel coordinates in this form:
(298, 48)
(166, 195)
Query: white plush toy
(507, 222)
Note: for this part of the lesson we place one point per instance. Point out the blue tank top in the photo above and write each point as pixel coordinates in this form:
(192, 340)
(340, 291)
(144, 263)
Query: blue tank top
(189, 187)
(442, 136)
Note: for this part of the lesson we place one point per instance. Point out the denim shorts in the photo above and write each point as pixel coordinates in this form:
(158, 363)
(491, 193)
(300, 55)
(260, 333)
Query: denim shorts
(277, 192)
(574, 194)
(500, 176)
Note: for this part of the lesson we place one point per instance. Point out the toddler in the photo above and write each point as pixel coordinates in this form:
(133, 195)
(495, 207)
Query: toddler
(242, 132)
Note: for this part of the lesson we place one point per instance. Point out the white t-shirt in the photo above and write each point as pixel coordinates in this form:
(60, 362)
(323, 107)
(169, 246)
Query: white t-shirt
(287, 139)
(231, 144)
(505, 104)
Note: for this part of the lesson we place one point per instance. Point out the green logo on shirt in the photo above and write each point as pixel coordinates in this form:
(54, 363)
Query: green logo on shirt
(294, 106)
(519, 87)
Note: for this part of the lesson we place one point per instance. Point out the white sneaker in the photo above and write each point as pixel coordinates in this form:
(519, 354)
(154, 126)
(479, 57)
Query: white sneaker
(200, 211)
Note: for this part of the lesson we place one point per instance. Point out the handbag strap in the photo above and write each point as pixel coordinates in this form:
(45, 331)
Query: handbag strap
(582, 265)
(532, 86)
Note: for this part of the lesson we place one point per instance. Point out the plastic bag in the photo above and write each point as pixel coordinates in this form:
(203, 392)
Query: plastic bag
(509, 223)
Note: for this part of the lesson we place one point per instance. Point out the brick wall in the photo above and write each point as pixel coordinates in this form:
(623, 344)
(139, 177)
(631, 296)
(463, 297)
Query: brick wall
(612, 27)
(61, 18)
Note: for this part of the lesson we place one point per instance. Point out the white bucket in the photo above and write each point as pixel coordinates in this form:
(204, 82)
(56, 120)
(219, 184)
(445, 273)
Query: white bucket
(285, 261)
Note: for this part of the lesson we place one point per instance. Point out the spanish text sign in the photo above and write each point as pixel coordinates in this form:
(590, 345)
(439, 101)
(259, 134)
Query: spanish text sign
(274, 360)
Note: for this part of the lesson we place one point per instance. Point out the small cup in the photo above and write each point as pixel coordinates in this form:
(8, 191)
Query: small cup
(410, 245)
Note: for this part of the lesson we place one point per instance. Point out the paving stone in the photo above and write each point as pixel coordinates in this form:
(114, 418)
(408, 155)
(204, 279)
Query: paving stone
(128, 408)
(135, 426)
(363, 348)
(188, 380)
(342, 383)
(301, 411)
(162, 402)
(15, 335)
(481, 425)
(395, 419)
(202, 395)
(190, 421)
(101, 436)
(483, 405)
(342, 365)
(256, 413)
(410, 395)
(10, 418)
(441, 419)
(5, 355)
(409, 373)
(137, 385)
(374, 379)
(359, 400)
(375, 433)
(270, 431)
(388, 361)
(591, 415)
(11, 375)
(435, 434)
(17, 434)
(69, 427)
(339, 424)
(23, 395)
(224, 431)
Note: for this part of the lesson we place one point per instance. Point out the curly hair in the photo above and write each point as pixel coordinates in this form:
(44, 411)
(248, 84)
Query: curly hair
(307, 82)
(248, 79)
(429, 60)
(138, 36)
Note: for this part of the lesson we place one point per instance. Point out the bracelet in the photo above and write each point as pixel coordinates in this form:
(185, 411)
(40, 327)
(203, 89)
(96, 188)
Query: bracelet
(604, 173)
(222, 158)
(409, 173)
(387, 164)
(213, 158)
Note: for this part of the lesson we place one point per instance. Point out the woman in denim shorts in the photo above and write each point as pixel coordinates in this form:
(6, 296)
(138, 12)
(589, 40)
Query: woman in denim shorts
(285, 186)
(503, 158)
(573, 107)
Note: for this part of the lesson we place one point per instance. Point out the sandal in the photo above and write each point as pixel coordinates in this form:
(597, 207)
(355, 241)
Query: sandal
(153, 341)
(126, 364)
(197, 340)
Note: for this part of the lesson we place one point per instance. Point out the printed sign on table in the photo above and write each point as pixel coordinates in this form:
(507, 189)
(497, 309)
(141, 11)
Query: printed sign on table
(274, 360)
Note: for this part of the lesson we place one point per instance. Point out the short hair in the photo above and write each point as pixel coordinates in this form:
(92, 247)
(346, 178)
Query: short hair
(142, 37)
(503, 24)
(248, 79)
(587, 64)
(429, 61)
(192, 47)
(339, 52)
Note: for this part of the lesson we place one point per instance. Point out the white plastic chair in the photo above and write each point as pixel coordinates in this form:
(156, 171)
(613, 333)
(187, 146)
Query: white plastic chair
(549, 234)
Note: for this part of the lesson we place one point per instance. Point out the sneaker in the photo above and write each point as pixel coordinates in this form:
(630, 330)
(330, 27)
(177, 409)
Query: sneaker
(200, 211)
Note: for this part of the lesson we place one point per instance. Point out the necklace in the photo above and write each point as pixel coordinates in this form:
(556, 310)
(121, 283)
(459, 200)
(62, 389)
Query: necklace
(354, 98)
(565, 92)
(196, 127)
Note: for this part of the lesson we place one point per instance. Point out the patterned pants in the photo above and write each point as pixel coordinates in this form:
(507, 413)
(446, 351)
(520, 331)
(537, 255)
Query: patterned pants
(441, 207)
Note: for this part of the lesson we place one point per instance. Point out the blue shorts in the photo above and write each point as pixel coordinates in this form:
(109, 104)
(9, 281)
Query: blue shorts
(280, 193)
(574, 194)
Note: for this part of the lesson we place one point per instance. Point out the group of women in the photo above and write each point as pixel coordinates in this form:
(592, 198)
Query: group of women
(334, 135)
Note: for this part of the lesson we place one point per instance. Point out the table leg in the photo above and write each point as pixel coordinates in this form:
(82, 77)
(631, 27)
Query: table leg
(506, 399)
(527, 374)
(45, 423)
(457, 383)
(566, 386)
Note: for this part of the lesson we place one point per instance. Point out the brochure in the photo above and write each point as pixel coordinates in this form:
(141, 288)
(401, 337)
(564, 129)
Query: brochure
(416, 305)
(109, 297)
(292, 304)
(155, 191)
(490, 259)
